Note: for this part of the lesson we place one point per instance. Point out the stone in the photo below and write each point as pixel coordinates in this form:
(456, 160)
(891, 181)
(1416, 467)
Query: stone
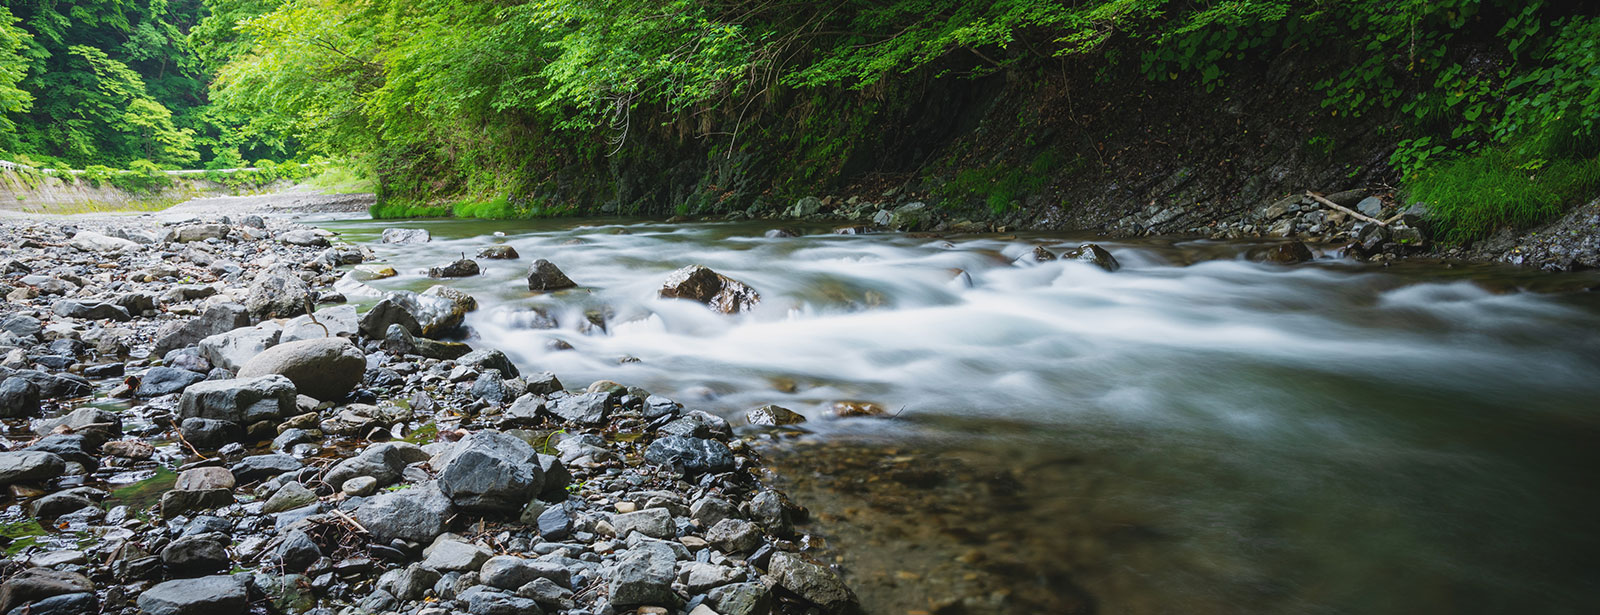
(422, 315)
(209, 477)
(200, 232)
(1093, 254)
(213, 595)
(277, 293)
(708, 511)
(406, 235)
(816, 584)
(240, 400)
(691, 455)
(337, 321)
(90, 241)
(461, 268)
(1372, 207)
(19, 398)
(383, 462)
(417, 514)
(587, 409)
(409, 583)
(30, 466)
(65, 604)
(460, 301)
(56, 386)
(217, 319)
(1288, 253)
(297, 551)
(499, 253)
(257, 468)
(399, 341)
(511, 572)
(490, 358)
(483, 601)
(304, 237)
(652, 522)
(490, 387)
(719, 292)
(231, 350)
(741, 599)
(699, 577)
(451, 554)
(129, 449)
(327, 369)
(196, 555)
(65, 557)
(545, 276)
(368, 273)
(806, 206)
(643, 575)
(210, 434)
(734, 536)
(182, 501)
(290, 496)
(81, 419)
(35, 584)
(64, 502)
(698, 424)
(359, 486)
(555, 523)
(91, 311)
(773, 416)
(491, 472)
(160, 381)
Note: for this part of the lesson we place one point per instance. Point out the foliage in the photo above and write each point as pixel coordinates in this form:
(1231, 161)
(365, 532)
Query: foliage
(1472, 195)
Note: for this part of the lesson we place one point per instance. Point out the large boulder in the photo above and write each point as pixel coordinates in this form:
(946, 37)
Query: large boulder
(491, 472)
(277, 293)
(417, 514)
(20, 466)
(214, 595)
(717, 291)
(546, 276)
(18, 398)
(692, 455)
(240, 400)
(327, 369)
(233, 349)
(817, 584)
(424, 315)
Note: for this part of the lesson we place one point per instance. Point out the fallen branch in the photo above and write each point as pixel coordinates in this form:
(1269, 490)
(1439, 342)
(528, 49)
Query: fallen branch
(351, 520)
(1357, 214)
(185, 441)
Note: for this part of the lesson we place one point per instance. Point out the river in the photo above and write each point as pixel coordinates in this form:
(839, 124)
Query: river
(1194, 433)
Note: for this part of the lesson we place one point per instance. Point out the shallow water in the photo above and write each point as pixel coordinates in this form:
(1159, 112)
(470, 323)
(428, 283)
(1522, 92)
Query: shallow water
(1194, 433)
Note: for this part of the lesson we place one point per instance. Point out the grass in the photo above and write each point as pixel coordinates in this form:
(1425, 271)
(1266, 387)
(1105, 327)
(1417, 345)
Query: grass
(498, 208)
(102, 207)
(1471, 196)
(340, 179)
(22, 535)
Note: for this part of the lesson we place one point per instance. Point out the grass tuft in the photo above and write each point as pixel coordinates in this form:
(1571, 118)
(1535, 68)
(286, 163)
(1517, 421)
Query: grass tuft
(1471, 196)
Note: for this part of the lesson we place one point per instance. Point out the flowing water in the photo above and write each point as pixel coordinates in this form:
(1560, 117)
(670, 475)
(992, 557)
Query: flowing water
(1195, 433)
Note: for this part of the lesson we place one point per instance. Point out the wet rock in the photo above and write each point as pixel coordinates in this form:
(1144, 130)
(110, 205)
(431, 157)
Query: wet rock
(183, 501)
(217, 319)
(698, 424)
(81, 419)
(490, 358)
(691, 455)
(781, 233)
(297, 551)
(855, 409)
(498, 253)
(586, 409)
(652, 522)
(713, 289)
(734, 536)
(359, 486)
(1371, 207)
(699, 577)
(401, 342)
(545, 276)
(233, 349)
(36, 584)
(29, 466)
(1093, 254)
(129, 449)
(417, 514)
(91, 311)
(327, 369)
(56, 386)
(773, 416)
(18, 398)
(817, 584)
(422, 315)
(64, 502)
(256, 468)
(491, 472)
(383, 462)
(1283, 254)
(213, 595)
(460, 301)
(196, 555)
(643, 575)
(711, 510)
(406, 235)
(160, 381)
(277, 294)
(241, 400)
(462, 268)
(806, 206)
(210, 434)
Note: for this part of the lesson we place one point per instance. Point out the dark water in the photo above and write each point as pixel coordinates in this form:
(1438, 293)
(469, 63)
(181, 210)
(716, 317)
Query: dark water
(1192, 434)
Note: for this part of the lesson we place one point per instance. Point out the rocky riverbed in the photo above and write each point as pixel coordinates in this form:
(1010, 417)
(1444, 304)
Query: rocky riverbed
(198, 423)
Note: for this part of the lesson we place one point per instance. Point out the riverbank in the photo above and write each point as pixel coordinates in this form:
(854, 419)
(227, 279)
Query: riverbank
(181, 438)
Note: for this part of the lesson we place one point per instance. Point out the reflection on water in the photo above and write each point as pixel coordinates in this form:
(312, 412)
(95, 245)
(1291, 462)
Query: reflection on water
(1193, 433)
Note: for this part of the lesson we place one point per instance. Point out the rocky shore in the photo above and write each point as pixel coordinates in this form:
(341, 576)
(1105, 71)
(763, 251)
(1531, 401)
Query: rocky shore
(197, 423)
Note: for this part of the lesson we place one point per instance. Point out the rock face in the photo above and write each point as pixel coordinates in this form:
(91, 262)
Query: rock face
(241, 400)
(545, 276)
(277, 294)
(406, 235)
(1094, 255)
(717, 291)
(213, 595)
(463, 268)
(327, 369)
(692, 455)
(492, 472)
(816, 584)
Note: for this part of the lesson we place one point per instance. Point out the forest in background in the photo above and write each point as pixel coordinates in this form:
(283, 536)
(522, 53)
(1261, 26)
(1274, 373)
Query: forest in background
(1486, 109)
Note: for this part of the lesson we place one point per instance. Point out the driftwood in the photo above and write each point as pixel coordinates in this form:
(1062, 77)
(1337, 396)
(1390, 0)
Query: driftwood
(1358, 215)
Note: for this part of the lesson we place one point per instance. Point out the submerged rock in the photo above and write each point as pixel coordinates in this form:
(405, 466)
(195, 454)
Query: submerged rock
(1283, 254)
(1093, 254)
(773, 416)
(817, 584)
(700, 284)
(499, 253)
(462, 268)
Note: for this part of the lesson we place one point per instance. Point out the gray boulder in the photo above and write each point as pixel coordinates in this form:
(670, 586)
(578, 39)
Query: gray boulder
(18, 398)
(217, 319)
(652, 522)
(424, 315)
(277, 293)
(213, 595)
(546, 276)
(196, 555)
(643, 575)
(384, 462)
(233, 349)
(20, 466)
(327, 369)
(417, 514)
(511, 572)
(160, 381)
(499, 253)
(399, 341)
(34, 585)
(304, 237)
(692, 455)
(90, 241)
(91, 311)
(241, 400)
(200, 232)
(490, 359)
(587, 409)
(1092, 254)
(461, 268)
(491, 472)
(817, 584)
(337, 321)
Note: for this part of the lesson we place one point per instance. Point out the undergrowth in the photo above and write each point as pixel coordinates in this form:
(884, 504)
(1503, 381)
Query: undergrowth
(1471, 195)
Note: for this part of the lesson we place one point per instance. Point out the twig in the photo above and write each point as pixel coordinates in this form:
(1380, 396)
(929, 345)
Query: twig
(311, 312)
(351, 520)
(196, 451)
(1344, 209)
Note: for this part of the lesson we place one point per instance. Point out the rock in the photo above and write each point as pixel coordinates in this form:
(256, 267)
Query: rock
(462, 268)
(698, 424)
(499, 253)
(780, 233)
(90, 241)
(210, 434)
(204, 478)
(257, 468)
(699, 577)
(483, 601)
(423, 315)
(692, 455)
(452, 554)
(734, 536)
(327, 369)
(180, 501)
(409, 583)
(277, 293)
(367, 273)
(806, 206)
(65, 604)
(643, 575)
(36, 584)
(545, 276)
(19, 398)
(713, 289)
(510, 572)
(555, 523)
(406, 235)
(213, 595)
(64, 502)
(29, 466)
(1283, 254)
(160, 381)
(490, 359)
(742, 599)
(652, 522)
(817, 584)
(401, 342)
(297, 551)
(383, 462)
(1406, 236)
(305, 238)
(773, 416)
(460, 301)
(491, 472)
(290, 496)
(81, 419)
(417, 514)
(1372, 207)
(200, 232)
(195, 555)
(359, 486)
(490, 387)
(586, 409)
(1093, 254)
(231, 350)
(241, 400)
(711, 510)
(129, 449)
(217, 319)
(91, 311)
(337, 321)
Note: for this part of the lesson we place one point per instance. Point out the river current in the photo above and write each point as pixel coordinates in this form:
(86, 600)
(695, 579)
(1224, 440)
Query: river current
(1194, 433)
